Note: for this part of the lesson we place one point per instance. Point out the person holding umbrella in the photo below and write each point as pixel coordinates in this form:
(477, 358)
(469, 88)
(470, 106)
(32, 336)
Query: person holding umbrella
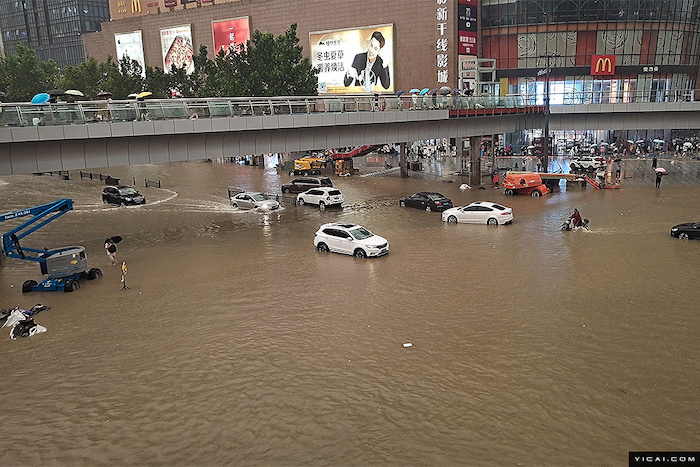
(660, 172)
(111, 248)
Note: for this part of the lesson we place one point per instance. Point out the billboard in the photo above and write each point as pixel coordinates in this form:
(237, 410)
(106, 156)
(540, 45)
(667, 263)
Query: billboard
(354, 60)
(176, 45)
(229, 33)
(131, 45)
(467, 26)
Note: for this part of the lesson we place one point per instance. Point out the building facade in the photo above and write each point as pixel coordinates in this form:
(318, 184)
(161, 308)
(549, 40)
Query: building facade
(53, 28)
(594, 50)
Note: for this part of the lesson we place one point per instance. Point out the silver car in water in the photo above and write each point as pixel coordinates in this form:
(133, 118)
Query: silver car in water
(253, 200)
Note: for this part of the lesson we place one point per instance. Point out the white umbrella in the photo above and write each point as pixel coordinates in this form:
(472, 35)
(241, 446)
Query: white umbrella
(687, 144)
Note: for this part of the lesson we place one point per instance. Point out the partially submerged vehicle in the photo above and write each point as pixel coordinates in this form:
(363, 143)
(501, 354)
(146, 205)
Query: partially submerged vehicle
(526, 183)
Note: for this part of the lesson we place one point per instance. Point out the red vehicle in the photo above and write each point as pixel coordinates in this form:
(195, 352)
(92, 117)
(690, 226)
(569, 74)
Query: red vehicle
(526, 183)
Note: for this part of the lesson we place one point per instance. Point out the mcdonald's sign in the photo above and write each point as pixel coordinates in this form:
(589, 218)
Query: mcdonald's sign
(603, 65)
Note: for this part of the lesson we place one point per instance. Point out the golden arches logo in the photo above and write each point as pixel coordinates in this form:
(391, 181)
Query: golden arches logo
(603, 65)
(136, 6)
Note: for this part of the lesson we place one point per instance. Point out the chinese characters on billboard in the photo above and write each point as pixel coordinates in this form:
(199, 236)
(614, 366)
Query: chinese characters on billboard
(354, 60)
(467, 27)
(131, 44)
(230, 33)
(176, 44)
(442, 43)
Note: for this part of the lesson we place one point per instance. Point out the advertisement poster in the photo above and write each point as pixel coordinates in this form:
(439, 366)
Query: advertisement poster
(176, 44)
(354, 60)
(467, 26)
(230, 33)
(131, 45)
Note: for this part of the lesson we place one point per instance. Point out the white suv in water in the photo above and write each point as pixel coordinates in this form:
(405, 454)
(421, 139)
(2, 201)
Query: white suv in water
(324, 196)
(588, 163)
(350, 239)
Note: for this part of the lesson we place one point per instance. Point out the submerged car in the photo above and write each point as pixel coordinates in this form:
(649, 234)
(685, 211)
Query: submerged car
(122, 194)
(297, 185)
(479, 212)
(686, 231)
(253, 200)
(430, 201)
(323, 197)
(350, 239)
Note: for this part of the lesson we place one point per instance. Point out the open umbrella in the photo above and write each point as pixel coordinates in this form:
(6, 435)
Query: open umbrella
(659, 141)
(132, 96)
(414, 90)
(41, 98)
(74, 92)
(141, 95)
(688, 144)
(55, 92)
(660, 170)
(445, 90)
(398, 93)
(433, 91)
(105, 94)
(424, 91)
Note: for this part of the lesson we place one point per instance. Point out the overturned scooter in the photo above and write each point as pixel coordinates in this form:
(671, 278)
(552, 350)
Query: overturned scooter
(21, 321)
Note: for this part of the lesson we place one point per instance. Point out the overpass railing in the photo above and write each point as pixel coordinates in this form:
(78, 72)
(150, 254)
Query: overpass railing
(68, 113)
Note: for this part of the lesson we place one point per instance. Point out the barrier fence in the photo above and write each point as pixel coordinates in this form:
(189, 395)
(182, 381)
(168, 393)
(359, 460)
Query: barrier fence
(65, 113)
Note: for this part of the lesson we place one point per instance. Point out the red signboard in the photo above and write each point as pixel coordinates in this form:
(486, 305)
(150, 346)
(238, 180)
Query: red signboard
(230, 33)
(602, 65)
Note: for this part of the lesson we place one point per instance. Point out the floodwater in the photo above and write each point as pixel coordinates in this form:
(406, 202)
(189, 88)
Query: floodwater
(237, 343)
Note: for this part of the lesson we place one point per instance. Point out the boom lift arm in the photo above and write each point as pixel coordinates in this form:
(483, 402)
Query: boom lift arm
(45, 213)
(64, 266)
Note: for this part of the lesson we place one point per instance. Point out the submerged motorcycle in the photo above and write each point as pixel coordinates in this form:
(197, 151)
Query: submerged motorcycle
(568, 225)
(21, 322)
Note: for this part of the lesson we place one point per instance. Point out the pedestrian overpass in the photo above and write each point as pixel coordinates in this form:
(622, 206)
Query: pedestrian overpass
(96, 134)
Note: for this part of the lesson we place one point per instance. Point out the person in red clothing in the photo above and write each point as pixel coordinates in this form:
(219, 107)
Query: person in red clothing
(576, 218)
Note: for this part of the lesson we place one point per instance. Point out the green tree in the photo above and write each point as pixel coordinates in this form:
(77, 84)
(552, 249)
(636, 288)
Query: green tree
(85, 77)
(22, 76)
(123, 78)
(158, 82)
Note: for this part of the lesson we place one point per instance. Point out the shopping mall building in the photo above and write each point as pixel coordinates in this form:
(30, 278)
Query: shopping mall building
(591, 50)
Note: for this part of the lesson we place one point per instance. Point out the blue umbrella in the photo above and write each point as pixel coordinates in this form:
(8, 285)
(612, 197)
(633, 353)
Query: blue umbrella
(414, 90)
(398, 93)
(41, 99)
(424, 90)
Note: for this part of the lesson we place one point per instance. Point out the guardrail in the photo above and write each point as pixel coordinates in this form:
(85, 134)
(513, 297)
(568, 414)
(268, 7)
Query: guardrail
(65, 113)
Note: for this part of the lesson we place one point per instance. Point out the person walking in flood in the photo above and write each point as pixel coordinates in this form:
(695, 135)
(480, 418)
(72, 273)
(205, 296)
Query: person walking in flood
(654, 161)
(658, 179)
(111, 249)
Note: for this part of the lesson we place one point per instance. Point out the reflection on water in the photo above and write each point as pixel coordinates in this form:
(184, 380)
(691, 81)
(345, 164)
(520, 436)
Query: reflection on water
(238, 343)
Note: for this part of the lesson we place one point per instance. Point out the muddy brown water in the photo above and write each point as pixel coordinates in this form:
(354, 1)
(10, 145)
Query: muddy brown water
(239, 344)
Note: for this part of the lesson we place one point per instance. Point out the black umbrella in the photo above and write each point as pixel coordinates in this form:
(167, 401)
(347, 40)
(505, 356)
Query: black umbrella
(55, 92)
(115, 239)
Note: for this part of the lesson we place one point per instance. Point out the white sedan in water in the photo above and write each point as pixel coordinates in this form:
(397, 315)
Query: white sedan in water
(479, 212)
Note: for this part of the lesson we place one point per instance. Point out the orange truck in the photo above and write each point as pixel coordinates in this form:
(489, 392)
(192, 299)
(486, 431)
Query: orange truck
(526, 183)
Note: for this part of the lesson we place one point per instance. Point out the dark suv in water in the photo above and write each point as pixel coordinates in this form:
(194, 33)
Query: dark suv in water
(122, 194)
(298, 185)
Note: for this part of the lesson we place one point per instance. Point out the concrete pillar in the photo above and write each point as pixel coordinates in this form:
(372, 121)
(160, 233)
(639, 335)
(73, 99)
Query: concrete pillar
(475, 161)
(402, 160)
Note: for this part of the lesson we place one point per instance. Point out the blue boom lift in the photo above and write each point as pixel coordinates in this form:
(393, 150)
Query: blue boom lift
(64, 266)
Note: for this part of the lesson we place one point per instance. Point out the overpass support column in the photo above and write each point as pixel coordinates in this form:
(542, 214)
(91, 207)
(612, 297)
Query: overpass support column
(475, 161)
(402, 160)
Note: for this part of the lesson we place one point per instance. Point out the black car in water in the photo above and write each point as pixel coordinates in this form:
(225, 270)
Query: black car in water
(427, 200)
(686, 231)
(122, 194)
(301, 184)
